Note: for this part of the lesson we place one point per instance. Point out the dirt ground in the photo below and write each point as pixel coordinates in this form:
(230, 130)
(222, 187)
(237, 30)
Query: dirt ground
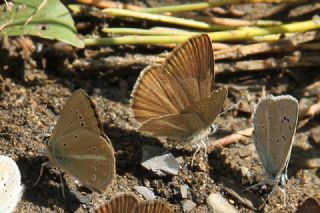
(35, 84)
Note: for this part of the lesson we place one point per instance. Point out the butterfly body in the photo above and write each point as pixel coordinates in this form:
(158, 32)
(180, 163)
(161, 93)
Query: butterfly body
(275, 120)
(177, 99)
(79, 146)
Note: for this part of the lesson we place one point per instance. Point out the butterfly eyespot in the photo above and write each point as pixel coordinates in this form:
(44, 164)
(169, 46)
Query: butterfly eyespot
(83, 124)
(94, 177)
(94, 149)
(80, 117)
(64, 144)
(77, 112)
(76, 137)
(97, 162)
(94, 168)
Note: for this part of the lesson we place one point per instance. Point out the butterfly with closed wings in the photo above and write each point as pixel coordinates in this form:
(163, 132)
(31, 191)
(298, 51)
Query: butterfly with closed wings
(275, 120)
(79, 146)
(176, 99)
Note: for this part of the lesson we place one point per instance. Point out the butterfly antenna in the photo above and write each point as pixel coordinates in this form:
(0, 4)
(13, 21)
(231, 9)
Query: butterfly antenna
(41, 172)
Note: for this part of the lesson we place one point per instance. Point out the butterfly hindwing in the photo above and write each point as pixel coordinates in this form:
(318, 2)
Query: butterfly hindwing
(190, 121)
(87, 156)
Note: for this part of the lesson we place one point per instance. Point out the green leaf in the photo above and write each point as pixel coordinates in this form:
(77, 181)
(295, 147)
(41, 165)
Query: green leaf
(48, 19)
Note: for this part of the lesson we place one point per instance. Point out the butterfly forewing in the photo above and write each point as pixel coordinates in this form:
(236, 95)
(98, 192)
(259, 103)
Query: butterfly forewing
(185, 77)
(79, 146)
(10, 184)
(123, 203)
(148, 102)
(152, 207)
(275, 121)
(78, 112)
(191, 65)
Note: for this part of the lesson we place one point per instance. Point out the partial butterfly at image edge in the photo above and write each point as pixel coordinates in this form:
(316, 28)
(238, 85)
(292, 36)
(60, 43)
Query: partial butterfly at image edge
(11, 189)
(310, 205)
(79, 146)
(129, 203)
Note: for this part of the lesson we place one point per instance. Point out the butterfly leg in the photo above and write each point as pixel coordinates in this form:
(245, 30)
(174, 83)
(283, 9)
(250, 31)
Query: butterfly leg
(62, 185)
(205, 145)
(195, 153)
(41, 172)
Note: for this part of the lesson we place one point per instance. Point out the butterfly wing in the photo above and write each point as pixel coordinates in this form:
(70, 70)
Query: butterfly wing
(10, 184)
(79, 112)
(87, 156)
(154, 206)
(310, 205)
(185, 77)
(209, 108)
(175, 126)
(275, 120)
(190, 121)
(123, 203)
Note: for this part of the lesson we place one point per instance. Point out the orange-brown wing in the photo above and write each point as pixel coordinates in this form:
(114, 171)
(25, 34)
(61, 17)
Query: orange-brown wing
(193, 119)
(185, 77)
(209, 108)
(175, 126)
(123, 203)
(310, 205)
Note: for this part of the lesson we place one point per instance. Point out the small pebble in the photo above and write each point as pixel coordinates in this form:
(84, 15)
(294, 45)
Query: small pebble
(188, 205)
(184, 190)
(161, 164)
(145, 192)
(219, 204)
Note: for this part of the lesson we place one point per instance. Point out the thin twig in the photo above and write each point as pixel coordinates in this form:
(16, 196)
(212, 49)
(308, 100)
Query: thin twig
(152, 31)
(285, 45)
(295, 60)
(309, 111)
(109, 4)
(231, 35)
(113, 12)
(205, 5)
(231, 21)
